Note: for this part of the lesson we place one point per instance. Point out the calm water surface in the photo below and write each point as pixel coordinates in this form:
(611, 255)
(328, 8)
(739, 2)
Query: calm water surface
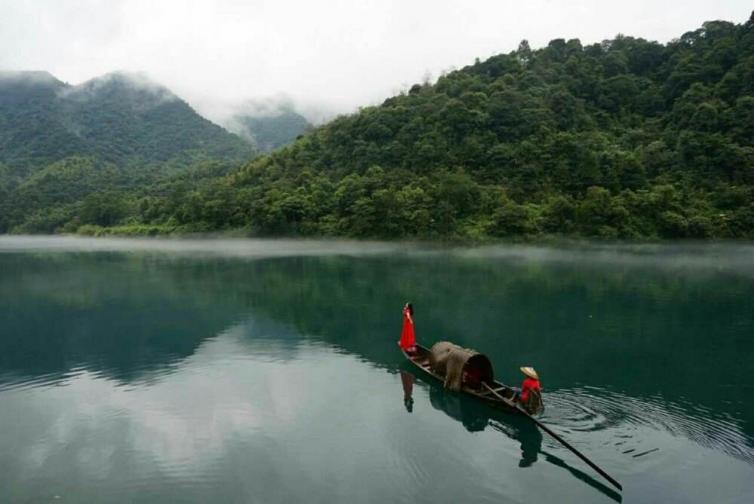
(266, 371)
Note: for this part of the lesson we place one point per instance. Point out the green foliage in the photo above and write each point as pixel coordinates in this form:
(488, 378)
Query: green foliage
(624, 139)
(69, 155)
(117, 118)
(102, 209)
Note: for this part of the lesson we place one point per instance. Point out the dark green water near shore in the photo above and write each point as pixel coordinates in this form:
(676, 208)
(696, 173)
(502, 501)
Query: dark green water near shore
(267, 371)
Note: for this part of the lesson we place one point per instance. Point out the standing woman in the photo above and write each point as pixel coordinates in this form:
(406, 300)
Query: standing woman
(408, 338)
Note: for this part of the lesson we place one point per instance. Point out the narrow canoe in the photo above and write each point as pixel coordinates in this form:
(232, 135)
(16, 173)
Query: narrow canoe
(421, 360)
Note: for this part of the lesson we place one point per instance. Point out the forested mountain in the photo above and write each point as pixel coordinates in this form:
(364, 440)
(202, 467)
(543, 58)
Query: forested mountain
(118, 118)
(61, 143)
(269, 131)
(627, 138)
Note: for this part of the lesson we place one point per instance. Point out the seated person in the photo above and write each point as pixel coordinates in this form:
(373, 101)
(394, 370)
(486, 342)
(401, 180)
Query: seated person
(530, 396)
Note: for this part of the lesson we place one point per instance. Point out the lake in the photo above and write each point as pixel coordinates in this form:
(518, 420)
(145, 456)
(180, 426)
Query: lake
(267, 371)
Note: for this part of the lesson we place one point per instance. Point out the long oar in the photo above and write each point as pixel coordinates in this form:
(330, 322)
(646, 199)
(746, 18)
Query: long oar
(560, 439)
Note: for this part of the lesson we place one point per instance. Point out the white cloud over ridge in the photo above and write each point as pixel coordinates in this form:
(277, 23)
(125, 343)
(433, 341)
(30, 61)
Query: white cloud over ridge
(326, 56)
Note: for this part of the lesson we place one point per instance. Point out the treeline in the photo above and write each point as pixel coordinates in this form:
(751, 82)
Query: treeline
(624, 139)
(78, 193)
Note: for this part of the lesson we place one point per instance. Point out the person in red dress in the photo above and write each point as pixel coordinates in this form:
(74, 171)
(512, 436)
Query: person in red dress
(530, 387)
(408, 338)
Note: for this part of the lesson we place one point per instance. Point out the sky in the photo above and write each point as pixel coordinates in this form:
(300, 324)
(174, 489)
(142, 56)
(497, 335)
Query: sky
(325, 56)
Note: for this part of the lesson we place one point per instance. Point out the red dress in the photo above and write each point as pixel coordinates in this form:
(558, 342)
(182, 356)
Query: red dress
(408, 339)
(529, 384)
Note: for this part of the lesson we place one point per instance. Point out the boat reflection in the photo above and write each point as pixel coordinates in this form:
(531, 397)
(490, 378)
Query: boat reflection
(476, 417)
(459, 407)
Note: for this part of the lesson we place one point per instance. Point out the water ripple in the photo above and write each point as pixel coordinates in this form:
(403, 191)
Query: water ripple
(10, 382)
(591, 409)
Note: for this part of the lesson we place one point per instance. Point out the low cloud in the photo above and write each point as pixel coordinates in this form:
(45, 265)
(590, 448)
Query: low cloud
(325, 57)
(146, 92)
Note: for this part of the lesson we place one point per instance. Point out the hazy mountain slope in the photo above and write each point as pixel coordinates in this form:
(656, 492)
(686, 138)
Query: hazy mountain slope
(271, 131)
(118, 118)
(59, 144)
(32, 128)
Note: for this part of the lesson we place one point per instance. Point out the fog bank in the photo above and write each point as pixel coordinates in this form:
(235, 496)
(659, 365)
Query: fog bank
(328, 57)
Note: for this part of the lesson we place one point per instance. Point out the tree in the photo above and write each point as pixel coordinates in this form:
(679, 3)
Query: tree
(524, 52)
(103, 209)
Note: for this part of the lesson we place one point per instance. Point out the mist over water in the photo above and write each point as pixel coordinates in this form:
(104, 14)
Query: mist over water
(245, 248)
(733, 257)
(266, 371)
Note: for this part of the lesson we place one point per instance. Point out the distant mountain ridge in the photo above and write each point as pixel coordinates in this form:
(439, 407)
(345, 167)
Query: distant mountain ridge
(268, 130)
(119, 118)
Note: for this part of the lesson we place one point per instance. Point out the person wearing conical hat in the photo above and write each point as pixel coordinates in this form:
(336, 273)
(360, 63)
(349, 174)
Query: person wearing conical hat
(531, 389)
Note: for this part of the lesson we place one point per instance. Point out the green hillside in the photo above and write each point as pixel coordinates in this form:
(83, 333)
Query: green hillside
(110, 135)
(118, 118)
(627, 138)
(31, 122)
(623, 139)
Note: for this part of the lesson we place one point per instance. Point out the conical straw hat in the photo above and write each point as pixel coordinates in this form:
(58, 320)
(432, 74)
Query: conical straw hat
(529, 371)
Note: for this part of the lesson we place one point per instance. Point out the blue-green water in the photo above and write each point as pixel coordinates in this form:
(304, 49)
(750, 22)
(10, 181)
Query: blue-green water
(266, 371)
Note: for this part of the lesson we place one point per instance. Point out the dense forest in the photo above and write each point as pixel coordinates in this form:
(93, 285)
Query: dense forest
(60, 144)
(626, 139)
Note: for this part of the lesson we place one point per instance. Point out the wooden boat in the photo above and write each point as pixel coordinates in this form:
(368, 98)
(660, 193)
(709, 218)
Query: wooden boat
(494, 393)
(420, 358)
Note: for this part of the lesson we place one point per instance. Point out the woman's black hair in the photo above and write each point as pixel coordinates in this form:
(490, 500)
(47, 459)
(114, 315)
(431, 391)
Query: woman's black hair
(410, 308)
